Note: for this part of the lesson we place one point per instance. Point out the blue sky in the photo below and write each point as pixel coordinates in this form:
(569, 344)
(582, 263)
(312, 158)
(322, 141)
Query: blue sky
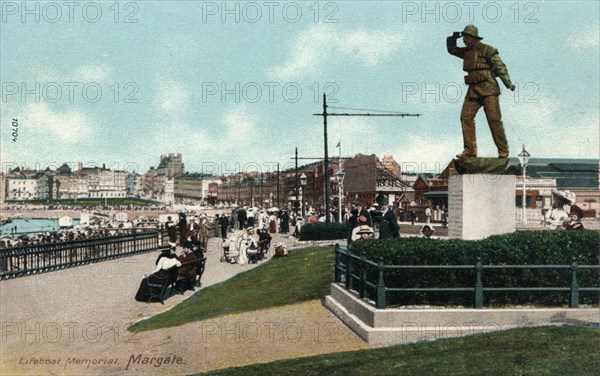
(232, 93)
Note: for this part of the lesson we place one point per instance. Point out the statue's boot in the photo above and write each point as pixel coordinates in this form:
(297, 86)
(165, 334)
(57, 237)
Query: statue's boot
(466, 154)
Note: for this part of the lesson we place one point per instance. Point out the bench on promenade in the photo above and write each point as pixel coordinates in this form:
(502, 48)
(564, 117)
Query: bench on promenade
(158, 283)
(184, 280)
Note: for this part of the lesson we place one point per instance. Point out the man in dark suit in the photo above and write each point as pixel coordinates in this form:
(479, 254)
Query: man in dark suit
(242, 218)
(223, 223)
(389, 227)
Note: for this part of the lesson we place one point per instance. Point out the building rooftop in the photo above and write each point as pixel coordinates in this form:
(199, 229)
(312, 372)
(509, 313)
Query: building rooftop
(569, 173)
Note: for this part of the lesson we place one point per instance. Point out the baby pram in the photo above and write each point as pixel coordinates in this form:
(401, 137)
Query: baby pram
(247, 247)
(231, 248)
(227, 255)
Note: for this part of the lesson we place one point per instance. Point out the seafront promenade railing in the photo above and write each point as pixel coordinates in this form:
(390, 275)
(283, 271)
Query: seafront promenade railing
(353, 271)
(39, 258)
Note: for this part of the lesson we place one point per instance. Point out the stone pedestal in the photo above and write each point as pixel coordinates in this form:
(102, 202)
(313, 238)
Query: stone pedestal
(480, 205)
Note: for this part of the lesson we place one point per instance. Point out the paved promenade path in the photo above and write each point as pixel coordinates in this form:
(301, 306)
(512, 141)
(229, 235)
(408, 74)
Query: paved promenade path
(74, 321)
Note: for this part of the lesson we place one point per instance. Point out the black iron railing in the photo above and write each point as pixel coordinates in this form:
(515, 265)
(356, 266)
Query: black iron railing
(39, 258)
(351, 269)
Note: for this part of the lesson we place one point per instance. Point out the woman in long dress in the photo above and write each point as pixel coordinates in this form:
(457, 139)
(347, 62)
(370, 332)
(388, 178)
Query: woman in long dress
(183, 229)
(247, 241)
(165, 261)
(171, 230)
(273, 224)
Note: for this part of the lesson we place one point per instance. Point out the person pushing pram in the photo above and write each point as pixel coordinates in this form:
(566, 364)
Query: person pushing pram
(241, 247)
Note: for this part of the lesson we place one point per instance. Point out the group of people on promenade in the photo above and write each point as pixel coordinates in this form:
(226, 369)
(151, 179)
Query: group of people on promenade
(379, 218)
(271, 220)
(194, 232)
(361, 222)
(248, 246)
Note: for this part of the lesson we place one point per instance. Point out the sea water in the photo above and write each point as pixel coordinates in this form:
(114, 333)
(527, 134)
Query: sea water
(32, 225)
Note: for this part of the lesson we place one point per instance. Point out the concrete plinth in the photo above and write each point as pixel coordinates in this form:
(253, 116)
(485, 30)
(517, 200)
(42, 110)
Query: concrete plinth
(480, 205)
(393, 326)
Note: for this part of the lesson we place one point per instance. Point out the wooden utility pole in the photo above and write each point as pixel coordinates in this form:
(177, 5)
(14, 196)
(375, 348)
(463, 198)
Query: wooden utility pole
(278, 203)
(325, 114)
(327, 219)
(296, 184)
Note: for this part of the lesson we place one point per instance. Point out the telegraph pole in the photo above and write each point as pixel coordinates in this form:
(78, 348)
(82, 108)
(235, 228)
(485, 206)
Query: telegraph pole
(296, 184)
(278, 204)
(325, 114)
(327, 219)
(261, 191)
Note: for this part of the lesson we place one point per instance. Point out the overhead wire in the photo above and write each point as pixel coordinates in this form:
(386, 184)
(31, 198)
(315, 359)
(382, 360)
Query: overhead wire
(366, 109)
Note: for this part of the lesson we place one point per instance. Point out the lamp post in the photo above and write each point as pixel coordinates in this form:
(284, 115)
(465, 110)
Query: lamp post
(340, 179)
(302, 184)
(523, 159)
(296, 191)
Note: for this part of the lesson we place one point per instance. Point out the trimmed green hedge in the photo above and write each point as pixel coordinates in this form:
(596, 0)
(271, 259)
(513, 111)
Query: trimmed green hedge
(324, 231)
(520, 248)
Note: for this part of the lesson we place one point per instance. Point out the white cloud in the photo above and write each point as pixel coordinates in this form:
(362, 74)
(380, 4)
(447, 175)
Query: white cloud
(577, 138)
(307, 50)
(425, 154)
(92, 73)
(45, 72)
(240, 126)
(48, 138)
(233, 138)
(66, 127)
(174, 96)
(321, 42)
(586, 41)
(370, 48)
(534, 116)
(193, 143)
(552, 128)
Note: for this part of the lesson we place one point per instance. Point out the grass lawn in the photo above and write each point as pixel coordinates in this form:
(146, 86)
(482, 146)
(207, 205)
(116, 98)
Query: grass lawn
(305, 274)
(532, 351)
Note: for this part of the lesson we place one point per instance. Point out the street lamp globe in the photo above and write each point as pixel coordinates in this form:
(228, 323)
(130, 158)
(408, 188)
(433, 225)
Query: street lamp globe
(340, 176)
(303, 179)
(524, 157)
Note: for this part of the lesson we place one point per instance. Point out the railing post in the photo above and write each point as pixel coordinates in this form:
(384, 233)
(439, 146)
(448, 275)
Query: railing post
(11, 262)
(337, 262)
(361, 284)
(478, 284)
(25, 258)
(574, 287)
(380, 303)
(349, 282)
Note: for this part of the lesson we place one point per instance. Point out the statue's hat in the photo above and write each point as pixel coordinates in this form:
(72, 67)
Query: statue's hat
(471, 30)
